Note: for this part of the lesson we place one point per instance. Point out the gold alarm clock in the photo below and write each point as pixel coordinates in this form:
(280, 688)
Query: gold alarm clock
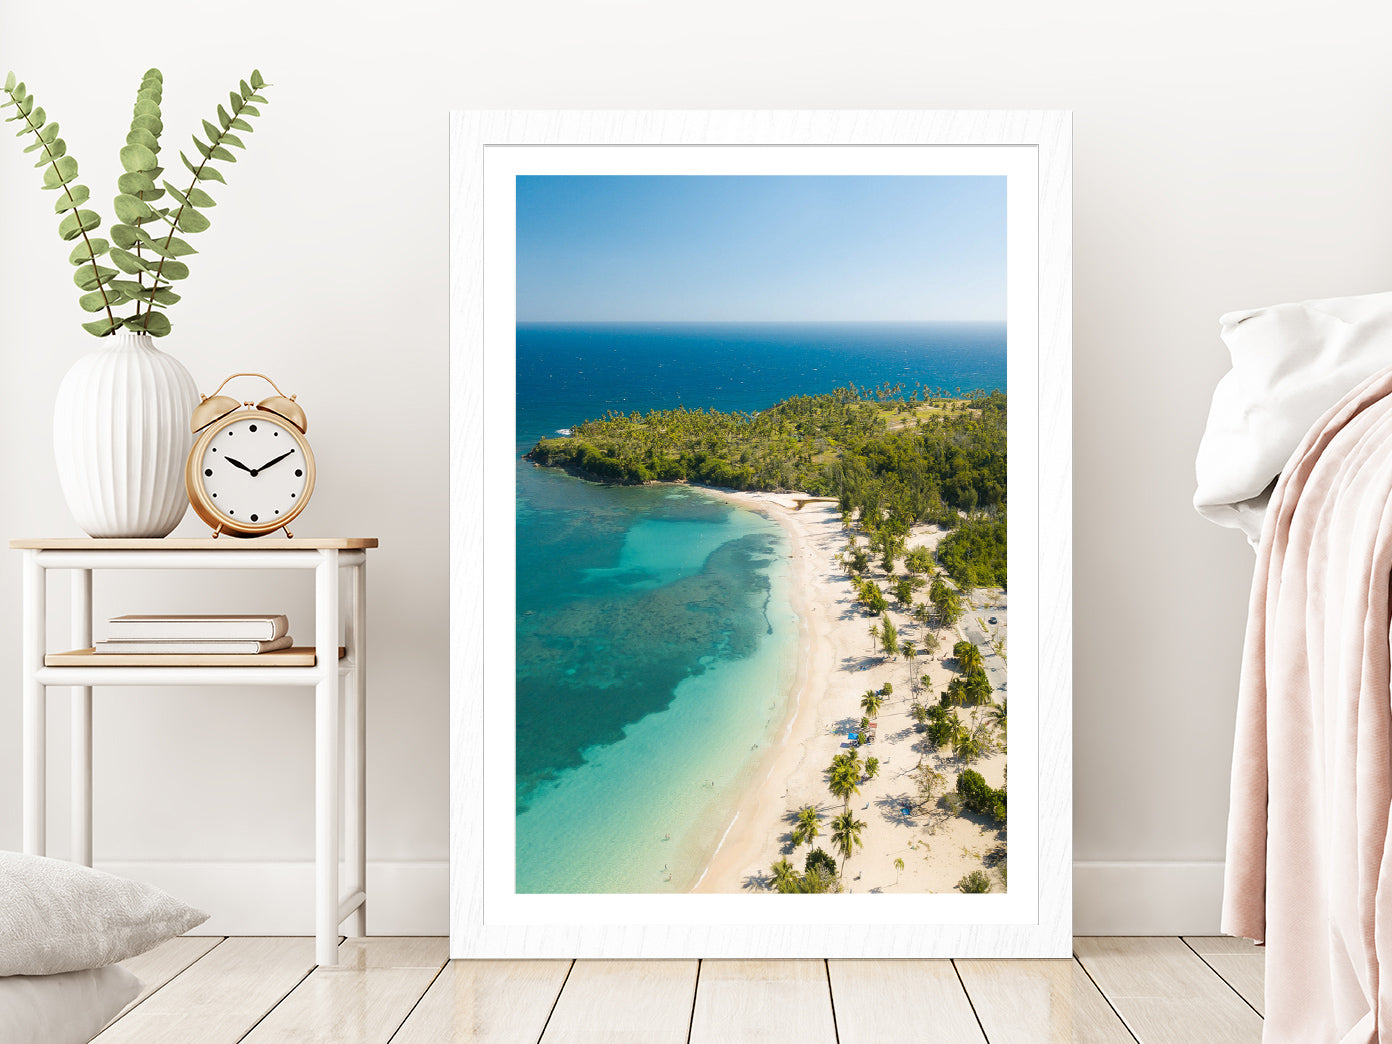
(251, 471)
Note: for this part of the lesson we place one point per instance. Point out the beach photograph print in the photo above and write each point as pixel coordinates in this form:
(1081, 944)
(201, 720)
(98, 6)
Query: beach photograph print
(761, 533)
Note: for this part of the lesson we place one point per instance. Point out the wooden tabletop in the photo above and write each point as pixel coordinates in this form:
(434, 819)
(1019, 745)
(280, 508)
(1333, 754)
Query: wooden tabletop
(226, 543)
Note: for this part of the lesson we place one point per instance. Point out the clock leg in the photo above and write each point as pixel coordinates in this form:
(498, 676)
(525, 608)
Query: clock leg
(288, 535)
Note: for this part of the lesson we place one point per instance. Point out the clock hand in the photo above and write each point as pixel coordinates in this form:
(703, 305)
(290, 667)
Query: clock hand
(238, 464)
(263, 467)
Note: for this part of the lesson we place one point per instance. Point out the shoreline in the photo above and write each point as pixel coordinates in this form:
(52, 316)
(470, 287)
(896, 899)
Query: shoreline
(836, 664)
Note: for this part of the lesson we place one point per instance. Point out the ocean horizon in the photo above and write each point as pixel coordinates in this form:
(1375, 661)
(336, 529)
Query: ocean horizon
(656, 641)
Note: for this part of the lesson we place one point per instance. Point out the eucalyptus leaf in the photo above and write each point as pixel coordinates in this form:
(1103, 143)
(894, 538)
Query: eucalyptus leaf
(129, 287)
(210, 173)
(49, 133)
(130, 209)
(135, 183)
(52, 151)
(175, 193)
(174, 270)
(146, 107)
(153, 124)
(162, 297)
(241, 125)
(73, 196)
(247, 90)
(101, 327)
(256, 80)
(212, 132)
(156, 324)
(126, 236)
(37, 118)
(62, 170)
(205, 150)
(250, 110)
(190, 220)
(137, 158)
(89, 277)
(140, 136)
(171, 246)
(88, 249)
(232, 140)
(224, 118)
(129, 263)
(153, 73)
(9, 81)
(93, 302)
(258, 99)
(199, 198)
(38, 144)
(219, 153)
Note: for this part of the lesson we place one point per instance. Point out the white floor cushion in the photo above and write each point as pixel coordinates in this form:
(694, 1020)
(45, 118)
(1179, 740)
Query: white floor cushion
(57, 916)
(68, 1008)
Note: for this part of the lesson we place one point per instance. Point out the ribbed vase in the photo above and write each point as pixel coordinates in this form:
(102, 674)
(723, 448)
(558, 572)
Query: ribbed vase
(121, 436)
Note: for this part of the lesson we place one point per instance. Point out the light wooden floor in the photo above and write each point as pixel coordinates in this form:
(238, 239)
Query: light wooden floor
(1158, 990)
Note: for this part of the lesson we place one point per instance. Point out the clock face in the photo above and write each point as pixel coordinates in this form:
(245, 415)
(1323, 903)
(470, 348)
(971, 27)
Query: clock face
(254, 471)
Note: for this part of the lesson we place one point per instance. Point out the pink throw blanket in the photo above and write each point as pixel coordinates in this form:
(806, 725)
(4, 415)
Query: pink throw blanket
(1309, 870)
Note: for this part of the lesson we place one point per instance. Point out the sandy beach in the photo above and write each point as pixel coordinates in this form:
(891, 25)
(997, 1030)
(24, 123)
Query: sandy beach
(837, 664)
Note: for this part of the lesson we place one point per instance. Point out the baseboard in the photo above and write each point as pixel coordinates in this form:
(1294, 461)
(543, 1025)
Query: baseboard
(278, 898)
(1109, 898)
(1147, 898)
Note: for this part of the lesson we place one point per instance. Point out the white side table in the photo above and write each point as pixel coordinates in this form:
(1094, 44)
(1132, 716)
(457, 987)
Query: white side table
(320, 667)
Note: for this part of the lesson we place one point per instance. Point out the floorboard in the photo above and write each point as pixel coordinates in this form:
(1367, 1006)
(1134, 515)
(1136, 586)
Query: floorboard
(1241, 963)
(1040, 1002)
(1165, 992)
(156, 967)
(364, 999)
(763, 1002)
(486, 1002)
(878, 1001)
(220, 997)
(643, 1002)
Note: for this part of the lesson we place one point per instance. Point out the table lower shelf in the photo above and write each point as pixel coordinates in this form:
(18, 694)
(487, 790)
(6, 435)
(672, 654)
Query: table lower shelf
(295, 656)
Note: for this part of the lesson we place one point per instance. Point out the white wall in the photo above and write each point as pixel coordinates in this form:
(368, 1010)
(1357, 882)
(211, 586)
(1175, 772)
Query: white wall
(1225, 155)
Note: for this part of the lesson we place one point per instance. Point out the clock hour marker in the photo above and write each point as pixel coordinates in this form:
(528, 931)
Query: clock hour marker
(298, 472)
(253, 518)
(207, 471)
(253, 427)
(214, 496)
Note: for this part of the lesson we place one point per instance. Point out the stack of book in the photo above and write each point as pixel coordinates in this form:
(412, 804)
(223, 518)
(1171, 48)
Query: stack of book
(203, 633)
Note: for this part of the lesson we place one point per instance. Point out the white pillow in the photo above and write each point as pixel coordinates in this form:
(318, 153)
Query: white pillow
(69, 1008)
(1290, 364)
(57, 916)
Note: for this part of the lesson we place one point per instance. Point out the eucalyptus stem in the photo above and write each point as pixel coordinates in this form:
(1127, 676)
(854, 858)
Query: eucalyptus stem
(52, 162)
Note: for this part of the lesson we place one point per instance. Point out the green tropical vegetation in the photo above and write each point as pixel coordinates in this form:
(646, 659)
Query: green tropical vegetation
(845, 835)
(943, 461)
(975, 882)
(979, 797)
(142, 245)
(807, 827)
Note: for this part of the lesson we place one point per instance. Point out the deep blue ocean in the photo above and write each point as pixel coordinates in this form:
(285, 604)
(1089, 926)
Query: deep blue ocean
(655, 643)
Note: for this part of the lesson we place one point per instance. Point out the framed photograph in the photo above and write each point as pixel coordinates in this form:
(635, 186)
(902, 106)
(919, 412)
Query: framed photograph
(742, 407)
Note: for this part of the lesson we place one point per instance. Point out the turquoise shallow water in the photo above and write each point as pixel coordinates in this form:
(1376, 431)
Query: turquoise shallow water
(676, 658)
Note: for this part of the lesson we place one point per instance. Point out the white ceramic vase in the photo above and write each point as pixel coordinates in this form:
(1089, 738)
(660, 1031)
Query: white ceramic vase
(121, 436)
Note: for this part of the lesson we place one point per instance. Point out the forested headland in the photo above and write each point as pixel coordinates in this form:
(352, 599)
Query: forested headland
(891, 459)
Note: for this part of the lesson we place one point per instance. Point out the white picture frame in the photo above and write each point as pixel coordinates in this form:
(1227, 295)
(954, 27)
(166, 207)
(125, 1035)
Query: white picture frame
(1035, 919)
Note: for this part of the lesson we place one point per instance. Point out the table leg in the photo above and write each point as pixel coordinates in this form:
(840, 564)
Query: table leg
(355, 755)
(35, 730)
(326, 769)
(80, 731)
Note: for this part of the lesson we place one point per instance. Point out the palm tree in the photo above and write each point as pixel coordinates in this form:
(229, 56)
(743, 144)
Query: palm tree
(784, 876)
(910, 654)
(844, 783)
(996, 715)
(807, 827)
(968, 655)
(872, 767)
(871, 702)
(845, 835)
(898, 869)
(874, 637)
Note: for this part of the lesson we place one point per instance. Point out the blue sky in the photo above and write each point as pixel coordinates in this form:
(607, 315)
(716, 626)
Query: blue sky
(760, 248)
